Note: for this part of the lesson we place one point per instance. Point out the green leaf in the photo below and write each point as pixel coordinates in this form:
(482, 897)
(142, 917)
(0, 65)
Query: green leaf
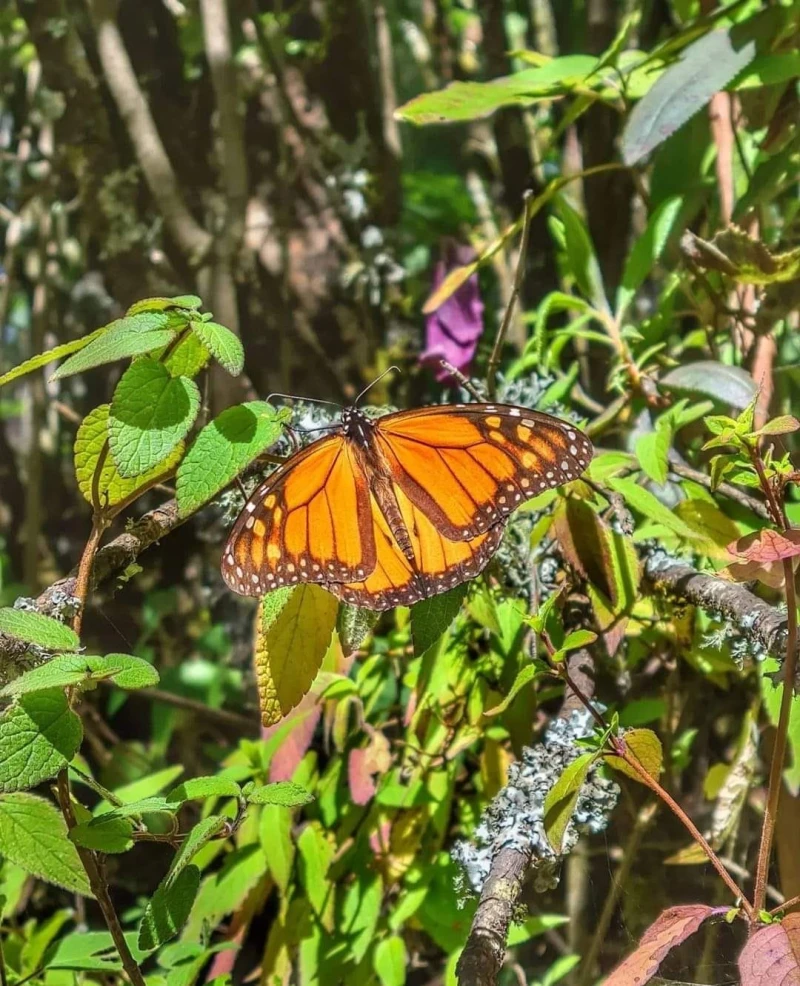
(150, 413)
(151, 804)
(581, 256)
(42, 359)
(646, 504)
(652, 451)
(187, 358)
(353, 625)
(133, 335)
(562, 798)
(189, 301)
(91, 443)
(316, 855)
(33, 835)
(785, 424)
(729, 384)
(109, 835)
(283, 793)
(463, 101)
(276, 835)
(200, 835)
(526, 675)
(34, 628)
(89, 951)
(646, 250)
(168, 909)
(391, 960)
(431, 618)
(703, 69)
(38, 736)
(224, 345)
(291, 646)
(199, 788)
(144, 787)
(65, 670)
(578, 639)
(646, 748)
(223, 449)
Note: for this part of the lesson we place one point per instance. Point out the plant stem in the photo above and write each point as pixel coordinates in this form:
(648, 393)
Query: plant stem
(494, 359)
(85, 571)
(99, 887)
(621, 750)
(779, 749)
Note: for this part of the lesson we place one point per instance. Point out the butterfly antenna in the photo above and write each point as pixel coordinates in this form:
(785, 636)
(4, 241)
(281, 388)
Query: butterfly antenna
(306, 400)
(376, 380)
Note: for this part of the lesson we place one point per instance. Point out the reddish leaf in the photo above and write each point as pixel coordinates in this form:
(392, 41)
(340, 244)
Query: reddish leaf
(669, 929)
(767, 546)
(771, 956)
(364, 764)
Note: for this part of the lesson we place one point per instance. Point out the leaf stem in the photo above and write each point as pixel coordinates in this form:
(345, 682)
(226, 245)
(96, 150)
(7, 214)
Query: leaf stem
(99, 886)
(502, 332)
(85, 570)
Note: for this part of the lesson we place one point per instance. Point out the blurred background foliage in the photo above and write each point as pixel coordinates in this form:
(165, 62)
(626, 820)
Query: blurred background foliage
(274, 158)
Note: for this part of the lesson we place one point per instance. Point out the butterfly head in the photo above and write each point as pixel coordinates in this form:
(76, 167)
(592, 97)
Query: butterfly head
(357, 426)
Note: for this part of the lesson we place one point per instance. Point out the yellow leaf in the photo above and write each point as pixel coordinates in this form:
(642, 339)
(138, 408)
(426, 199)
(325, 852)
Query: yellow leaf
(495, 759)
(294, 628)
(91, 443)
(646, 747)
(691, 855)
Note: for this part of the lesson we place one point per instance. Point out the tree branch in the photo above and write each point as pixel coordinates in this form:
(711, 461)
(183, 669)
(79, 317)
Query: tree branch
(161, 179)
(755, 618)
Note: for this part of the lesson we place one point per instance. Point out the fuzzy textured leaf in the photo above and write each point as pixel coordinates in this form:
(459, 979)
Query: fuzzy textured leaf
(168, 909)
(33, 835)
(38, 736)
(42, 359)
(109, 835)
(91, 444)
(64, 670)
(151, 412)
(283, 793)
(129, 336)
(289, 651)
(224, 345)
(34, 628)
(204, 787)
(223, 448)
(670, 928)
(771, 956)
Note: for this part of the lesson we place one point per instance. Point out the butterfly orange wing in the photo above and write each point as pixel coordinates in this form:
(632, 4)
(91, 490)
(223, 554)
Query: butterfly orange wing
(466, 467)
(440, 563)
(308, 522)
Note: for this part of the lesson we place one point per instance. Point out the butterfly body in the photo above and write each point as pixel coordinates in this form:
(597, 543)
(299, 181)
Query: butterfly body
(392, 510)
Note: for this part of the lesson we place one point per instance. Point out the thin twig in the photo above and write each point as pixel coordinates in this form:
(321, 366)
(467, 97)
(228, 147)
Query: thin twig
(494, 359)
(779, 748)
(731, 492)
(242, 724)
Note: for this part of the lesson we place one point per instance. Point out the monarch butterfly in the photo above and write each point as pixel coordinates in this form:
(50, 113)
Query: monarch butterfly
(389, 511)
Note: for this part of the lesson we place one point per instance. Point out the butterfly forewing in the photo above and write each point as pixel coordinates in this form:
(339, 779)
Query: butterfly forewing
(466, 467)
(307, 522)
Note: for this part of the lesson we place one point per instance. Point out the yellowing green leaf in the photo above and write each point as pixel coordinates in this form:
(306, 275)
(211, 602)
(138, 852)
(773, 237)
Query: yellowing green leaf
(290, 647)
(91, 444)
(646, 748)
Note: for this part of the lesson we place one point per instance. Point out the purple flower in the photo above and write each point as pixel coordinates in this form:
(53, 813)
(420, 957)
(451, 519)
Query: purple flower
(453, 330)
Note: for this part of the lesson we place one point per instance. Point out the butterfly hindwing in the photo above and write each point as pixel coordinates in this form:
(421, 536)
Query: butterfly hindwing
(467, 467)
(307, 522)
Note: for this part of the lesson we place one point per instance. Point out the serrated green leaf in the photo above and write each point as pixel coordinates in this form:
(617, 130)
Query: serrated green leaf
(91, 443)
(34, 628)
(38, 736)
(205, 787)
(144, 787)
(283, 793)
(526, 675)
(109, 835)
(151, 804)
(33, 835)
(150, 413)
(168, 909)
(73, 669)
(291, 646)
(562, 798)
(432, 617)
(224, 345)
(703, 69)
(200, 835)
(42, 359)
(646, 748)
(132, 335)
(187, 357)
(189, 301)
(390, 961)
(89, 951)
(223, 449)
